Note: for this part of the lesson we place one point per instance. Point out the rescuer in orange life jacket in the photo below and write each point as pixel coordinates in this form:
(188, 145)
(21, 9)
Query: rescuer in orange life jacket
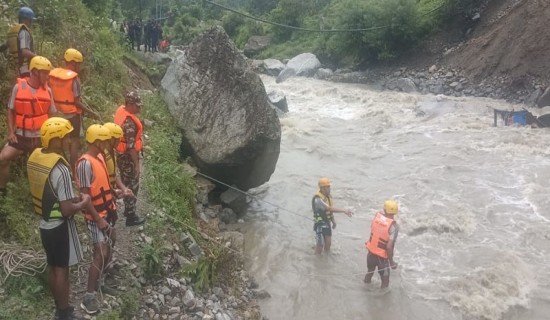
(30, 105)
(381, 243)
(92, 179)
(65, 86)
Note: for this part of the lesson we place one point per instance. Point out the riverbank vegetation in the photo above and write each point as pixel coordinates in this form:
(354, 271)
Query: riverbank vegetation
(393, 26)
(84, 25)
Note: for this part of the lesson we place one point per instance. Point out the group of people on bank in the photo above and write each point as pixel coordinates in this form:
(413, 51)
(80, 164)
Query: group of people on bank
(150, 35)
(44, 119)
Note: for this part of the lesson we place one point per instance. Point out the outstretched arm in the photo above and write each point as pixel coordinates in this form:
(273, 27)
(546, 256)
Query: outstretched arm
(347, 212)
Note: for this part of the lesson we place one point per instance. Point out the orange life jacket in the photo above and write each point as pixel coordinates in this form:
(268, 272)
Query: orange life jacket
(379, 235)
(31, 110)
(120, 116)
(100, 189)
(61, 83)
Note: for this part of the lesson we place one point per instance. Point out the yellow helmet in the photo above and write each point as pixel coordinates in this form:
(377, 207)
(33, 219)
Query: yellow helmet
(73, 55)
(97, 132)
(40, 63)
(324, 182)
(116, 130)
(54, 127)
(390, 207)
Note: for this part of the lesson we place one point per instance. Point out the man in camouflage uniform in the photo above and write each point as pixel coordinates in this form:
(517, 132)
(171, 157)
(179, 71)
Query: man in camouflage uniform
(129, 149)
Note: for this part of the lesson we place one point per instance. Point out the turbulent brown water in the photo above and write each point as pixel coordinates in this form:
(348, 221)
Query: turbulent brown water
(473, 201)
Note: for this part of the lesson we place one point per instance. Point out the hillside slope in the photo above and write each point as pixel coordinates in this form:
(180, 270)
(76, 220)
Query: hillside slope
(511, 41)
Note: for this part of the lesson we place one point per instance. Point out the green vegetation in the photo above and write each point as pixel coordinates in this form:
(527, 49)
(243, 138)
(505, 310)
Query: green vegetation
(25, 298)
(405, 23)
(214, 267)
(62, 24)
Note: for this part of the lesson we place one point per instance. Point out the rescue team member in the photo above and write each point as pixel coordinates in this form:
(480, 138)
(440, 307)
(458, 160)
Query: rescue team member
(65, 86)
(323, 215)
(381, 243)
(30, 104)
(111, 160)
(20, 42)
(54, 201)
(92, 179)
(128, 148)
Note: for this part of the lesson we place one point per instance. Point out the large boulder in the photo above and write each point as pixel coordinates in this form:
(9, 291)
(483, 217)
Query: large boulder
(278, 99)
(255, 44)
(221, 105)
(305, 64)
(273, 67)
(544, 99)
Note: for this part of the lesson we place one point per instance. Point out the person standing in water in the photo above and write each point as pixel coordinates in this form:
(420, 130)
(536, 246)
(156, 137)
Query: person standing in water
(323, 216)
(381, 243)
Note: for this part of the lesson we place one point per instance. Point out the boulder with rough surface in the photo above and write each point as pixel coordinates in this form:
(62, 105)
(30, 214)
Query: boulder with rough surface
(255, 44)
(278, 99)
(544, 99)
(273, 67)
(305, 64)
(221, 105)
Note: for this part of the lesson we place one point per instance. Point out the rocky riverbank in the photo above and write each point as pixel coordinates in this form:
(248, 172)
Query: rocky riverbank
(436, 79)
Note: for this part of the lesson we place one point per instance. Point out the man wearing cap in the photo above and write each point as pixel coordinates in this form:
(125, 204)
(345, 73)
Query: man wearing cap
(20, 42)
(30, 105)
(381, 243)
(323, 210)
(65, 86)
(129, 148)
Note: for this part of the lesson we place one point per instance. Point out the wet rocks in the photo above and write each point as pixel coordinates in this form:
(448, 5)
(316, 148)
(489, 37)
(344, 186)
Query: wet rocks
(273, 66)
(184, 303)
(544, 99)
(305, 64)
(278, 100)
(452, 82)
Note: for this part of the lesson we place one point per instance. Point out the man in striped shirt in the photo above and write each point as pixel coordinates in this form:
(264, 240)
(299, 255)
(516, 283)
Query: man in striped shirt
(92, 179)
(54, 200)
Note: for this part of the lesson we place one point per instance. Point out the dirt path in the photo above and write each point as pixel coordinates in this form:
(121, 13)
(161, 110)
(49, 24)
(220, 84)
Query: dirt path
(124, 258)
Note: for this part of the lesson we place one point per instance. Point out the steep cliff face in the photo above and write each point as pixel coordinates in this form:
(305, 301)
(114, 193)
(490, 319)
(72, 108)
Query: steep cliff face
(512, 40)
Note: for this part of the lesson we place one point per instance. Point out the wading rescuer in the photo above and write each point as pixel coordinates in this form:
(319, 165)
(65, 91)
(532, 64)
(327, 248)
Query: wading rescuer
(92, 179)
(54, 201)
(381, 243)
(323, 216)
(65, 86)
(30, 105)
(20, 42)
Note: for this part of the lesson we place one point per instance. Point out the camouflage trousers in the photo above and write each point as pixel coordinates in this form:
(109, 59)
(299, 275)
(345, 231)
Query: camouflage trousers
(128, 177)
